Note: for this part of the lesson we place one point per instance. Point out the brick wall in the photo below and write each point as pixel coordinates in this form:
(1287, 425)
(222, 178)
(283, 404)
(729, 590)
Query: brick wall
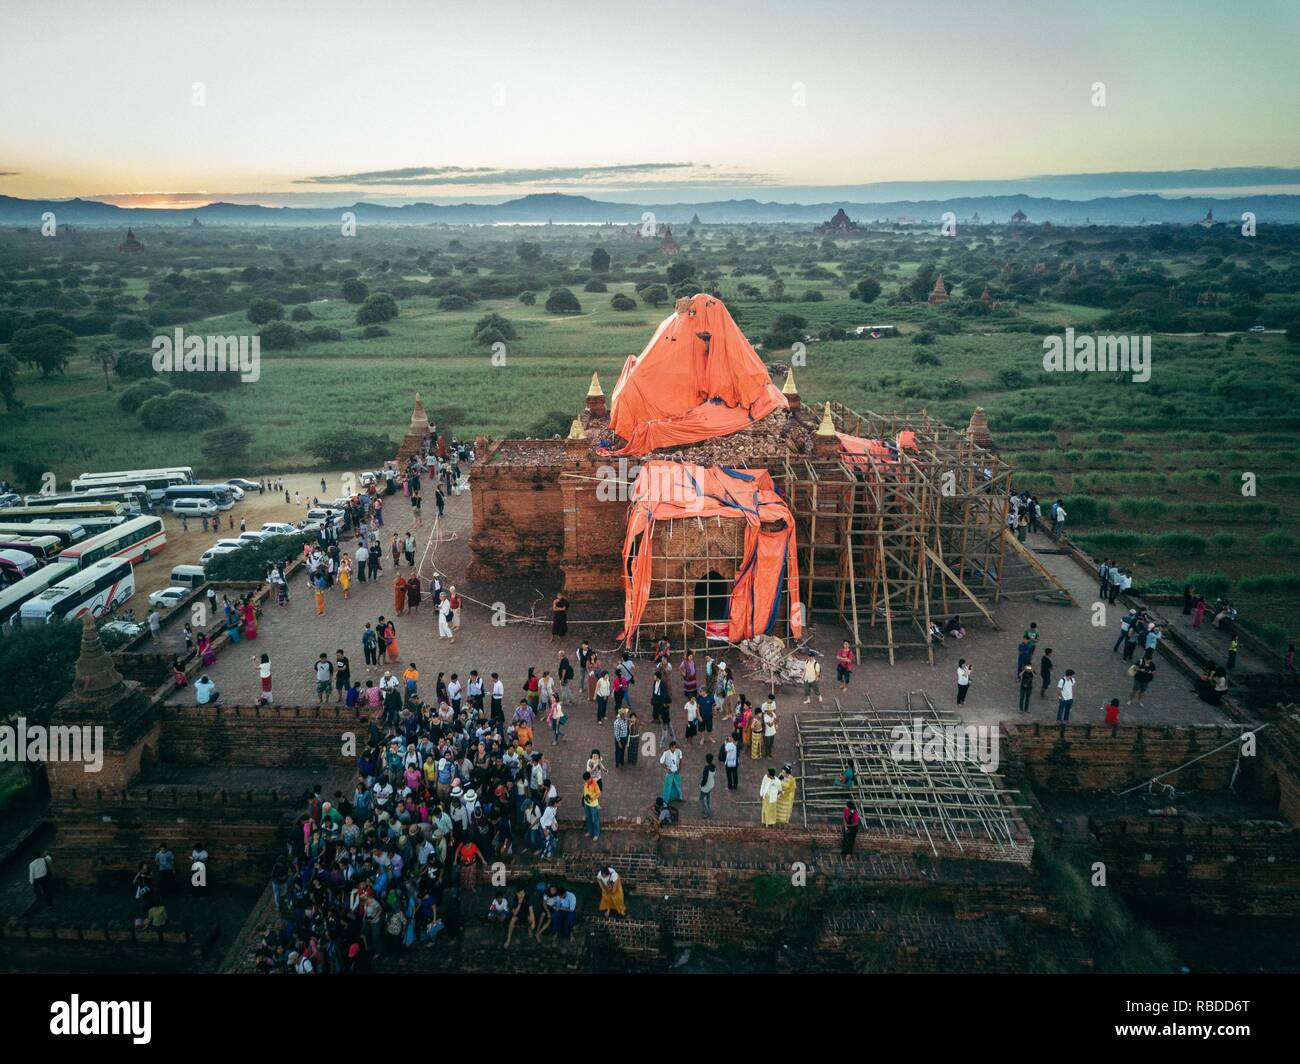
(43, 948)
(101, 838)
(1088, 757)
(119, 768)
(265, 736)
(518, 523)
(1244, 869)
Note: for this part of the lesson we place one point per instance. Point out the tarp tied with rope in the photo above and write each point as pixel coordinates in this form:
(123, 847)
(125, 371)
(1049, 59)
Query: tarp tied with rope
(698, 378)
(667, 491)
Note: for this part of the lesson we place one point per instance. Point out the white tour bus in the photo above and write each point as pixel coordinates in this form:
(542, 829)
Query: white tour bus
(98, 589)
(134, 497)
(218, 494)
(68, 532)
(137, 540)
(13, 597)
(154, 481)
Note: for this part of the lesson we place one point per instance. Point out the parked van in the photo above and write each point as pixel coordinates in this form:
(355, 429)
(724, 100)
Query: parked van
(216, 552)
(279, 528)
(193, 507)
(17, 565)
(325, 514)
(188, 575)
(253, 538)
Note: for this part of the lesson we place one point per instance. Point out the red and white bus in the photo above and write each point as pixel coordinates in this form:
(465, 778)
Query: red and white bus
(136, 540)
(98, 589)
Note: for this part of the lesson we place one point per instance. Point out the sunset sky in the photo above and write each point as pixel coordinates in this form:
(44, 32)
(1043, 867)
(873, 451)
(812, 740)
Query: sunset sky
(322, 101)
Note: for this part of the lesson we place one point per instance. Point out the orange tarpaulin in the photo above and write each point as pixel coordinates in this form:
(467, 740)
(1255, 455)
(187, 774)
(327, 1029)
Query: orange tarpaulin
(668, 490)
(697, 378)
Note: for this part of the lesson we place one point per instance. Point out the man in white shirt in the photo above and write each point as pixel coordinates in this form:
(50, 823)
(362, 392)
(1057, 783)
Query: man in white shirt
(38, 875)
(812, 674)
(671, 759)
(1065, 695)
(769, 792)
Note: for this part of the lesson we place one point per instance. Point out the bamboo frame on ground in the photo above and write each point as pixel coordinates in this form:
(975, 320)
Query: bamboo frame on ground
(951, 799)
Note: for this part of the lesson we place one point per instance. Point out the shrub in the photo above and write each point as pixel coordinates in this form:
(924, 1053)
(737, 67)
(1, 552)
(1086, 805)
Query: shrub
(454, 302)
(131, 400)
(252, 562)
(260, 311)
(926, 358)
(562, 301)
(377, 309)
(279, 336)
(355, 290)
(324, 333)
(1085, 510)
(302, 314)
(342, 448)
(1013, 380)
(621, 302)
(374, 332)
(1182, 543)
(1209, 584)
(528, 298)
(492, 328)
(595, 286)
(180, 410)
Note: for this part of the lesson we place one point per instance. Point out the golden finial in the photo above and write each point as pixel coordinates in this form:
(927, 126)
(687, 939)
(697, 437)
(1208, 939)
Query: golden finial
(594, 390)
(575, 430)
(827, 427)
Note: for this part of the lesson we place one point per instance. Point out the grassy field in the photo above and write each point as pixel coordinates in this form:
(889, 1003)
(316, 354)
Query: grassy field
(1152, 472)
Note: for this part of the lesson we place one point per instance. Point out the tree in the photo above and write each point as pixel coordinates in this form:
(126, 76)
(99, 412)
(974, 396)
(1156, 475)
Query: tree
(528, 298)
(344, 447)
(679, 272)
(786, 330)
(135, 395)
(867, 289)
(355, 290)
(132, 329)
(224, 448)
(528, 251)
(9, 382)
(278, 336)
(47, 347)
(653, 295)
(260, 311)
(562, 301)
(600, 261)
(104, 357)
(379, 308)
(622, 302)
(493, 328)
(180, 411)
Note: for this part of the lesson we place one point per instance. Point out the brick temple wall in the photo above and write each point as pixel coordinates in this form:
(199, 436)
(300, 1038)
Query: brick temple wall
(1089, 757)
(261, 736)
(41, 948)
(119, 768)
(595, 524)
(101, 837)
(1232, 870)
(518, 522)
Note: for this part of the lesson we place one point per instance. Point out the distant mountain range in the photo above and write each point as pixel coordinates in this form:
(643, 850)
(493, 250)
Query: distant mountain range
(562, 208)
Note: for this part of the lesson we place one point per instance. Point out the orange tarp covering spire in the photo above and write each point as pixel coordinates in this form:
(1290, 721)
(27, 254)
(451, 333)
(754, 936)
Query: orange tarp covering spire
(669, 490)
(697, 378)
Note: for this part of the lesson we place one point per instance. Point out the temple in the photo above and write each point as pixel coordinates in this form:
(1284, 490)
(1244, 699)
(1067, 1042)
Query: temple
(938, 294)
(700, 473)
(130, 246)
(839, 223)
(416, 440)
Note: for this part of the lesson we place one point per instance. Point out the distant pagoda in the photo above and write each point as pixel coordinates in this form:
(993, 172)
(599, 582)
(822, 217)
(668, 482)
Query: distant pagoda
(840, 223)
(1019, 218)
(130, 246)
(668, 245)
(938, 294)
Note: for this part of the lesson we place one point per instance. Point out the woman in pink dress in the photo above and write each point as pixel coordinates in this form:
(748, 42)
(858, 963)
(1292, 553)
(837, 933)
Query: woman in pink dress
(250, 620)
(206, 656)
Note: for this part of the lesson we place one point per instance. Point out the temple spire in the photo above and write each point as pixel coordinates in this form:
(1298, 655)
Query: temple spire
(595, 386)
(827, 426)
(97, 677)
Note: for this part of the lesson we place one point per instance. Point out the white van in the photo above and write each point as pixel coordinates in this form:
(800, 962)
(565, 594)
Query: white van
(216, 552)
(194, 508)
(188, 575)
